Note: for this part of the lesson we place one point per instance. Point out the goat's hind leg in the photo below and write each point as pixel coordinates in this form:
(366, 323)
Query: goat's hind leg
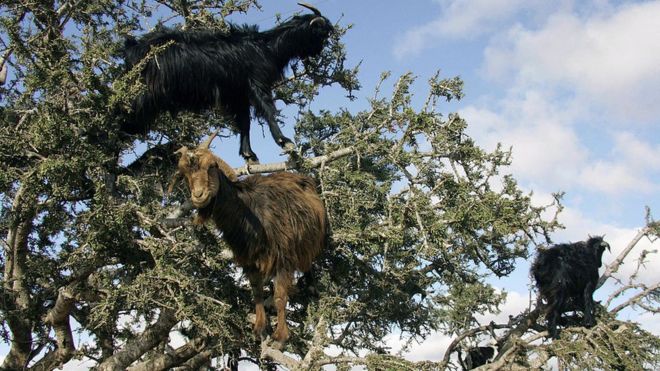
(282, 284)
(243, 123)
(257, 284)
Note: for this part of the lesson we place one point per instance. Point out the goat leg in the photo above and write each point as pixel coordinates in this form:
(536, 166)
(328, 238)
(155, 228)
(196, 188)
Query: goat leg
(589, 320)
(263, 103)
(243, 123)
(282, 283)
(556, 306)
(257, 284)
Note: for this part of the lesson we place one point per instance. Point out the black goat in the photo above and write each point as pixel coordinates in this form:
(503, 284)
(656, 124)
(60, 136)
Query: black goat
(566, 276)
(479, 356)
(275, 225)
(233, 71)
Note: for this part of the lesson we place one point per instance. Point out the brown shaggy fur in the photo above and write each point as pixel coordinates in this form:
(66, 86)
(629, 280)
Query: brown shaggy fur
(275, 225)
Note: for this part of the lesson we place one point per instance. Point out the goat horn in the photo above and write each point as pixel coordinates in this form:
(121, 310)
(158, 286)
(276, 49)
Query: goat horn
(313, 9)
(317, 19)
(207, 143)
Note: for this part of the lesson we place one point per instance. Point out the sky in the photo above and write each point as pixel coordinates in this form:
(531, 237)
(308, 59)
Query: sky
(571, 86)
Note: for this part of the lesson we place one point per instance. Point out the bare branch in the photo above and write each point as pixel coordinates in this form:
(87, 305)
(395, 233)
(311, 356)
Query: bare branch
(168, 360)
(58, 317)
(614, 266)
(144, 342)
(635, 299)
(313, 162)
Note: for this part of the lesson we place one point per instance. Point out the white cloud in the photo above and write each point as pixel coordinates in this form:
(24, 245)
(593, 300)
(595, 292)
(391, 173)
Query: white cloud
(609, 59)
(546, 149)
(550, 153)
(460, 19)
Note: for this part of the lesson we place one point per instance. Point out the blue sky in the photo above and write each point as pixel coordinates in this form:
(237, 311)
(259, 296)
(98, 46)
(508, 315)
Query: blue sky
(572, 86)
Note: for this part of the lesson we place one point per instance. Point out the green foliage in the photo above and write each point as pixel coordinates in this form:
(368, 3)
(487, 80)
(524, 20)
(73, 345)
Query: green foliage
(421, 216)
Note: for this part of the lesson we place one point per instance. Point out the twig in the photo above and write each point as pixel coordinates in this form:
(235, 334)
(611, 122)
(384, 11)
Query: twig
(633, 300)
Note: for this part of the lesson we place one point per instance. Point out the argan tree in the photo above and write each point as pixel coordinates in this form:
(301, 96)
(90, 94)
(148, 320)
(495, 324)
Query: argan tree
(98, 263)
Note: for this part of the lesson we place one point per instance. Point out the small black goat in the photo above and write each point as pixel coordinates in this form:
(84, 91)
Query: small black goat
(275, 225)
(479, 356)
(566, 276)
(233, 71)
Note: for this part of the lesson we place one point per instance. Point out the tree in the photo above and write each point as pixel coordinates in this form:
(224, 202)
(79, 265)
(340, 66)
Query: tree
(91, 244)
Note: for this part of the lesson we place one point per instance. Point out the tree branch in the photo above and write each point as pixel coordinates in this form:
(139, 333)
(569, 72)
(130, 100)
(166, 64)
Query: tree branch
(614, 266)
(169, 360)
(58, 317)
(141, 344)
(633, 300)
(313, 162)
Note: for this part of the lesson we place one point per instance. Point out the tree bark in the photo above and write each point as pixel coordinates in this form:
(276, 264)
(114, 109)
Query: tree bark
(138, 346)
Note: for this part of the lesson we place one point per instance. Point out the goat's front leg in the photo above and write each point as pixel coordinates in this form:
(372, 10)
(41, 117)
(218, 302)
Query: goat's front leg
(282, 283)
(257, 284)
(555, 308)
(265, 106)
(589, 304)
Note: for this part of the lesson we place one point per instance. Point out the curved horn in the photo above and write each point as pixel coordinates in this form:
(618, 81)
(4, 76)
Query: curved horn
(207, 143)
(317, 20)
(313, 9)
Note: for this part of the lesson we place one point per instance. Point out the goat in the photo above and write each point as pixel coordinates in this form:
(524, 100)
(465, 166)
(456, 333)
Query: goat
(566, 276)
(275, 225)
(479, 356)
(237, 70)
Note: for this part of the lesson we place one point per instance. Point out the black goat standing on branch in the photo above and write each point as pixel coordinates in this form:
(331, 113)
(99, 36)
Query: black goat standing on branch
(235, 71)
(566, 277)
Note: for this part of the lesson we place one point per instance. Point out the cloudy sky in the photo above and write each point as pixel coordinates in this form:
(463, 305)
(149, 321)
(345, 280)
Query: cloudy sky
(572, 86)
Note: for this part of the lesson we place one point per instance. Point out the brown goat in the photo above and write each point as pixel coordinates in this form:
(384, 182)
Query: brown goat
(275, 225)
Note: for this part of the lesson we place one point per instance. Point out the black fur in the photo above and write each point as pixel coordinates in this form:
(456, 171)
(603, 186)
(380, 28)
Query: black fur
(566, 276)
(479, 356)
(234, 70)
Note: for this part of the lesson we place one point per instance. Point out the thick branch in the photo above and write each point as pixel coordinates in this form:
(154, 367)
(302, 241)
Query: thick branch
(58, 317)
(273, 354)
(146, 341)
(17, 318)
(169, 360)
